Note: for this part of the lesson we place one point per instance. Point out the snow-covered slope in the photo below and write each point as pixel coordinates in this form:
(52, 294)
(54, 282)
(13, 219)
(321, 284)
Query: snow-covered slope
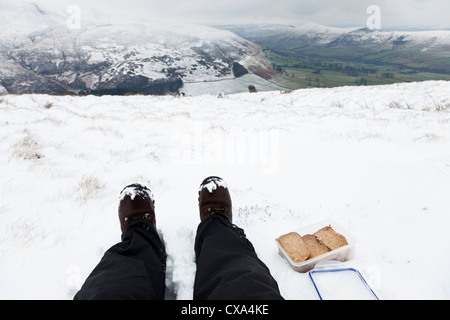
(102, 56)
(362, 36)
(418, 50)
(375, 159)
(313, 33)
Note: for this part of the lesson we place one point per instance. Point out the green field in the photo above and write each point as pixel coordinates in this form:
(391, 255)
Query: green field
(301, 71)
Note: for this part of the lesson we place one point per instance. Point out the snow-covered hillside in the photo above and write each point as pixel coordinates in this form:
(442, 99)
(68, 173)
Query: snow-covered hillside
(326, 35)
(313, 33)
(416, 50)
(375, 159)
(39, 53)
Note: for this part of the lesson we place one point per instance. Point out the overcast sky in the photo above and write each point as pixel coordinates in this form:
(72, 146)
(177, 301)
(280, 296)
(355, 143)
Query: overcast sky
(343, 13)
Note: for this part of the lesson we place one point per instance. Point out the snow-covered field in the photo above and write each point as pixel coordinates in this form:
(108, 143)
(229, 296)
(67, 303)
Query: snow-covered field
(375, 159)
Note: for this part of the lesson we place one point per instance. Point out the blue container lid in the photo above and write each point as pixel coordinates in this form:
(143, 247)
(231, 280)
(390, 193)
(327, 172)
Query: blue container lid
(339, 283)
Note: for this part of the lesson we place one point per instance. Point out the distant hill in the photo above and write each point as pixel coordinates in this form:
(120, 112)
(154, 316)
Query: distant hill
(40, 54)
(427, 51)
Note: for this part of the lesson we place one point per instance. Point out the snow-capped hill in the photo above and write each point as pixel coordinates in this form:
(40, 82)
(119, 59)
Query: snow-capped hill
(19, 9)
(313, 33)
(391, 39)
(332, 36)
(420, 51)
(19, 21)
(108, 56)
(324, 32)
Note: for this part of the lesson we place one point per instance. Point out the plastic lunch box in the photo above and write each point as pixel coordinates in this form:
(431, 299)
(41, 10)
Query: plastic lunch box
(341, 254)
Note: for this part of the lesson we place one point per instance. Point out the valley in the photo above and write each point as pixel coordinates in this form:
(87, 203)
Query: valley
(313, 55)
(300, 71)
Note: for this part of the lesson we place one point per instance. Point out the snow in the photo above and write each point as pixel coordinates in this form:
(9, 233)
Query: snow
(226, 86)
(374, 159)
(213, 184)
(431, 39)
(132, 192)
(326, 33)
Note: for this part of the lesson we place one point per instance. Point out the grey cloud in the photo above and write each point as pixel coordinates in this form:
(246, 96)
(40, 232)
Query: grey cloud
(411, 13)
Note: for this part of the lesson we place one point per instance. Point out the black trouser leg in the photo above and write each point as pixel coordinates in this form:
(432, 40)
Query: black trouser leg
(131, 269)
(227, 265)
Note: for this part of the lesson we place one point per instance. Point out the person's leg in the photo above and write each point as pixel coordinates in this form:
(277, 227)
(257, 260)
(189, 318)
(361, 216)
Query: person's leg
(135, 267)
(228, 267)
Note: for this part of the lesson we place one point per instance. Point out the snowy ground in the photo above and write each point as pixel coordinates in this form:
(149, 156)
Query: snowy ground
(229, 86)
(375, 159)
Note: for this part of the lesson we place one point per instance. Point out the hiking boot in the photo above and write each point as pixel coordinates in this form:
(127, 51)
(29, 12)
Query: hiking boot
(214, 198)
(136, 202)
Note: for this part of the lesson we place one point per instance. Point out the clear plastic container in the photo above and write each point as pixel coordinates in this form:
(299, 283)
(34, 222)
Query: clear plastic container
(341, 254)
